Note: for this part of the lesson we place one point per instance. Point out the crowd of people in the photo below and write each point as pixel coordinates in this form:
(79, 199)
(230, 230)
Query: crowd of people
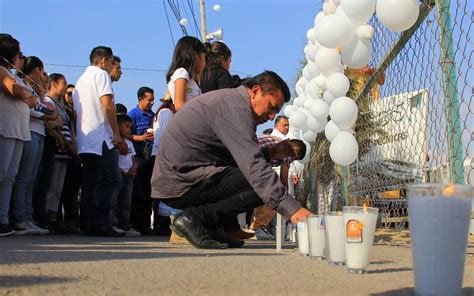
(76, 161)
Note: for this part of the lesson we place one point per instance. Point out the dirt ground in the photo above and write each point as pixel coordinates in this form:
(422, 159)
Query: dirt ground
(79, 265)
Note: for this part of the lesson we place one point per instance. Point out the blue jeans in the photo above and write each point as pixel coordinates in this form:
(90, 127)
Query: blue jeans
(123, 204)
(101, 181)
(10, 156)
(22, 196)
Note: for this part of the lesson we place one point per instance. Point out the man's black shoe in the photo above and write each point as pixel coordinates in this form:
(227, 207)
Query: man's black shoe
(195, 232)
(221, 236)
(105, 231)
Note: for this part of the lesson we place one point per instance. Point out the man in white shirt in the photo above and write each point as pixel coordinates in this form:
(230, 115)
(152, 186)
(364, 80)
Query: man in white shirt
(97, 137)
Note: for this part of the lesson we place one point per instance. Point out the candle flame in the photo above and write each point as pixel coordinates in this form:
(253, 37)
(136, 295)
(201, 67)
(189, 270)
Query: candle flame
(339, 213)
(448, 190)
(365, 207)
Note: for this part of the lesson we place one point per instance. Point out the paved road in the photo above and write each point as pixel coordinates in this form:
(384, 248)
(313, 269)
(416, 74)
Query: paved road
(78, 265)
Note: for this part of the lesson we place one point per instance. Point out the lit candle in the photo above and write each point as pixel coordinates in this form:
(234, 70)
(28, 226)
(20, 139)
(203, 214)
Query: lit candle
(439, 221)
(335, 238)
(317, 236)
(359, 233)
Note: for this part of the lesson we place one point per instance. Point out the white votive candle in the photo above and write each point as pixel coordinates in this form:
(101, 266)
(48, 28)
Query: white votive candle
(302, 233)
(335, 238)
(439, 226)
(359, 233)
(317, 236)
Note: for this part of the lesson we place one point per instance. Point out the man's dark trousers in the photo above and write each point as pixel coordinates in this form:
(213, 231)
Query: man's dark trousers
(101, 182)
(140, 215)
(218, 198)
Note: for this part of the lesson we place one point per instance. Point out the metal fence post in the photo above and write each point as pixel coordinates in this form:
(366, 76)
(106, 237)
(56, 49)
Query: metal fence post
(451, 100)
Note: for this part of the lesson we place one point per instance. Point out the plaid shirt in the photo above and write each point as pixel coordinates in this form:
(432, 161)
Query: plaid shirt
(267, 142)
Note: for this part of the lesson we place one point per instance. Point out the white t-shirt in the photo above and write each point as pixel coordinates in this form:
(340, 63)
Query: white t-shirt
(92, 126)
(125, 161)
(291, 169)
(192, 89)
(159, 125)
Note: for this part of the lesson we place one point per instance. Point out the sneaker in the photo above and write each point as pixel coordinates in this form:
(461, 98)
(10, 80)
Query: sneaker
(40, 230)
(119, 230)
(106, 231)
(263, 234)
(132, 232)
(6, 230)
(24, 228)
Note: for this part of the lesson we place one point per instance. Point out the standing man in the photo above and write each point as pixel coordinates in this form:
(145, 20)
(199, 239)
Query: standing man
(116, 71)
(281, 129)
(209, 163)
(98, 140)
(142, 120)
(282, 126)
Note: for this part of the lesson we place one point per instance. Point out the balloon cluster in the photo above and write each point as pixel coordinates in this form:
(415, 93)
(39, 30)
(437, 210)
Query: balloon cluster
(341, 37)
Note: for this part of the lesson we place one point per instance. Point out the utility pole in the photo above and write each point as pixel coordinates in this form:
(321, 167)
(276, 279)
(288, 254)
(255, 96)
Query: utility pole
(202, 9)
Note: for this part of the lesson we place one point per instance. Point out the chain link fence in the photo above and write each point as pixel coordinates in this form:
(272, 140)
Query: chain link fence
(416, 117)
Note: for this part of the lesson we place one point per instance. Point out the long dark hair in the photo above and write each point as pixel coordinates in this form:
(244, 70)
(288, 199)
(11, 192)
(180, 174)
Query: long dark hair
(184, 55)
(217, 53)
(9, 48)
(30, 64)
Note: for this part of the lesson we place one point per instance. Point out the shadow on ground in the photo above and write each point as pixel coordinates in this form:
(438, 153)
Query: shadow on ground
(10, 281)
(50, 249)
(411, 291)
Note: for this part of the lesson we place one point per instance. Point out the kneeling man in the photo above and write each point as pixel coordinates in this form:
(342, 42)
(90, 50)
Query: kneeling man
(209, 163)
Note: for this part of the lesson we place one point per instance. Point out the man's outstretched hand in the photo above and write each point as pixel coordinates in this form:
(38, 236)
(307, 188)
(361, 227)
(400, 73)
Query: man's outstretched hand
(300, 214)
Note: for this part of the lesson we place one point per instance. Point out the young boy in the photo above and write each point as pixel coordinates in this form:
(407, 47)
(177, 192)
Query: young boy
(128, 168)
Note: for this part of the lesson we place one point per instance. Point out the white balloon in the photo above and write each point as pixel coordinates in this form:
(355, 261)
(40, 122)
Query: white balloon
(312, 90)
(310, 35)
(321, 81)
(216, 7)
(398, 15)
(299, 100)
(311, 52)
(306, 73)
(365, 31)
(308, 103)
(319, 109)
(328, 97)
(337, 2)
(298, 119)
(289, 109)
(183, 22)
(329, 8)
(344, 149)
(337, 84)
(334, 30)
(343, 112)
(300, 85)
(359, 11)
(331, 130)
(316, 124)
(318, 18)
(326, 59)
(313, 69)
(357, 53)
(307, 156)
(310, 136)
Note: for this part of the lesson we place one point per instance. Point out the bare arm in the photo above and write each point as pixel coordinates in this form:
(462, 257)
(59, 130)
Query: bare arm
(180, 86)
(109, 109)
(9, 85)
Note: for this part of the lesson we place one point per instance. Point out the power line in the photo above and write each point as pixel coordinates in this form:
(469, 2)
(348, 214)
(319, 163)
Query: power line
(168, 20)
(128, 69)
